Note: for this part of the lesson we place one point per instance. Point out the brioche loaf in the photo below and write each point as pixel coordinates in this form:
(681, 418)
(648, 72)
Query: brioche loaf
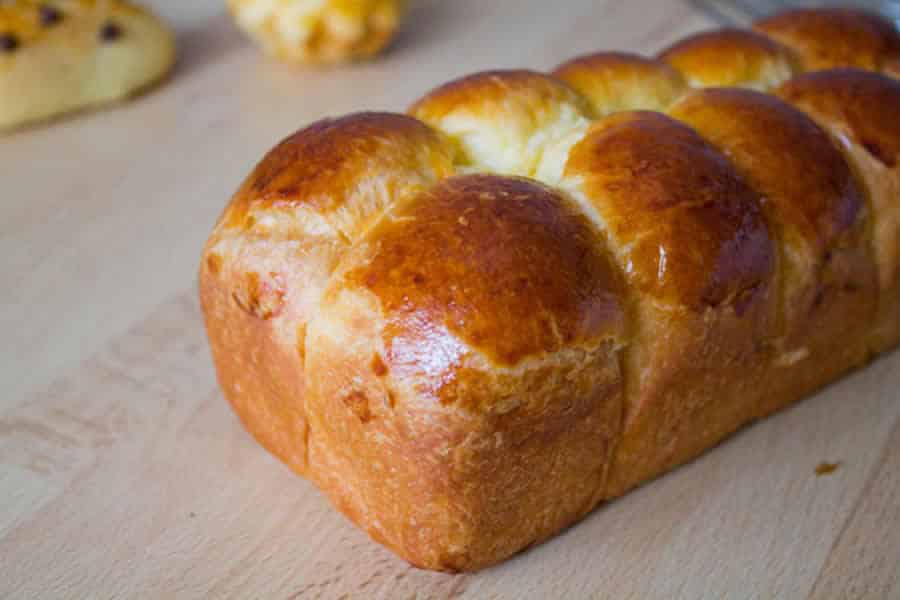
(320, 31)
(58, 56)
(472, 324)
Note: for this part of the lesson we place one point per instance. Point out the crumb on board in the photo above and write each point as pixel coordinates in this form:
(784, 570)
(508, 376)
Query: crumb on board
(827, 468)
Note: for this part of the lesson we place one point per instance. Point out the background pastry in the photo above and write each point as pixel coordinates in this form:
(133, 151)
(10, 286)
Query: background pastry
(320, 31)
(58, 56)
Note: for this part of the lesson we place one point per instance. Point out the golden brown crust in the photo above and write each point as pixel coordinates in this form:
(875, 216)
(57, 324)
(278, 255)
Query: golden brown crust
(319, 169)
(810, 191)
(864, 105)
(692, 228)
(816, 209)
(614, 81)
(860, 109)
(276, 244)
(827, 38)
(263, 380)
(466, 364)
(478, 327)
(529, 276)
(690, 237)
(731, 58)
(452, 490)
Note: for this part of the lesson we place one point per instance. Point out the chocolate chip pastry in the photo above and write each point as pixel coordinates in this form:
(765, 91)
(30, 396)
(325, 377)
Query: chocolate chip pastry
(60, 56)
(471, 324)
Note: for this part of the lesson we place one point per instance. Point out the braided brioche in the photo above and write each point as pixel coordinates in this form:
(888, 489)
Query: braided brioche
(472, 324)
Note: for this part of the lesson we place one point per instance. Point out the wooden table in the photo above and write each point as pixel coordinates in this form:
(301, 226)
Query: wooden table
(124, 474)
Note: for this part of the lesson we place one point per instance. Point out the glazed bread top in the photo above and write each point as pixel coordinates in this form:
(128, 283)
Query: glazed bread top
(310, 200)
(862, 104)
(835, 37)
(687, 230)
(615, 81)
(732, 58)
(859, 108)
(479, 273)
(515, 219)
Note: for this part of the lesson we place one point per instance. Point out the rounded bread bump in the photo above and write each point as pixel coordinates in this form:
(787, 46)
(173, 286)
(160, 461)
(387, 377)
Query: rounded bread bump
(859, 108)
(817, 211)
(810, 190)
(690, 238)
(502, 121)
(861, 105)
(616, 81)
(309, 200)
(731, 58)
(828, 38)
(343, 171)
(466, 354)
(687, 229)
(506, 267)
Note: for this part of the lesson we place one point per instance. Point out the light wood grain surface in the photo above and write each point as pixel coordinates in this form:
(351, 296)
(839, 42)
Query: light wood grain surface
(123, 473)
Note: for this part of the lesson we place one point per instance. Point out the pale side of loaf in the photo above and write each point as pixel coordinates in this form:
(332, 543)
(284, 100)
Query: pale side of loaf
(60, 56)
(472, 324)
(320, 31)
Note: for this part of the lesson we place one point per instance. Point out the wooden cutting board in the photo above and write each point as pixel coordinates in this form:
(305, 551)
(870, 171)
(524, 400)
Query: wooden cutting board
(123, 473)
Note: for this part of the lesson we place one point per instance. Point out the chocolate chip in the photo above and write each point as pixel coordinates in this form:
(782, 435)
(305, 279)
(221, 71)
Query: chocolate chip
(8, 42)
(50, 15)
(110, 32)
